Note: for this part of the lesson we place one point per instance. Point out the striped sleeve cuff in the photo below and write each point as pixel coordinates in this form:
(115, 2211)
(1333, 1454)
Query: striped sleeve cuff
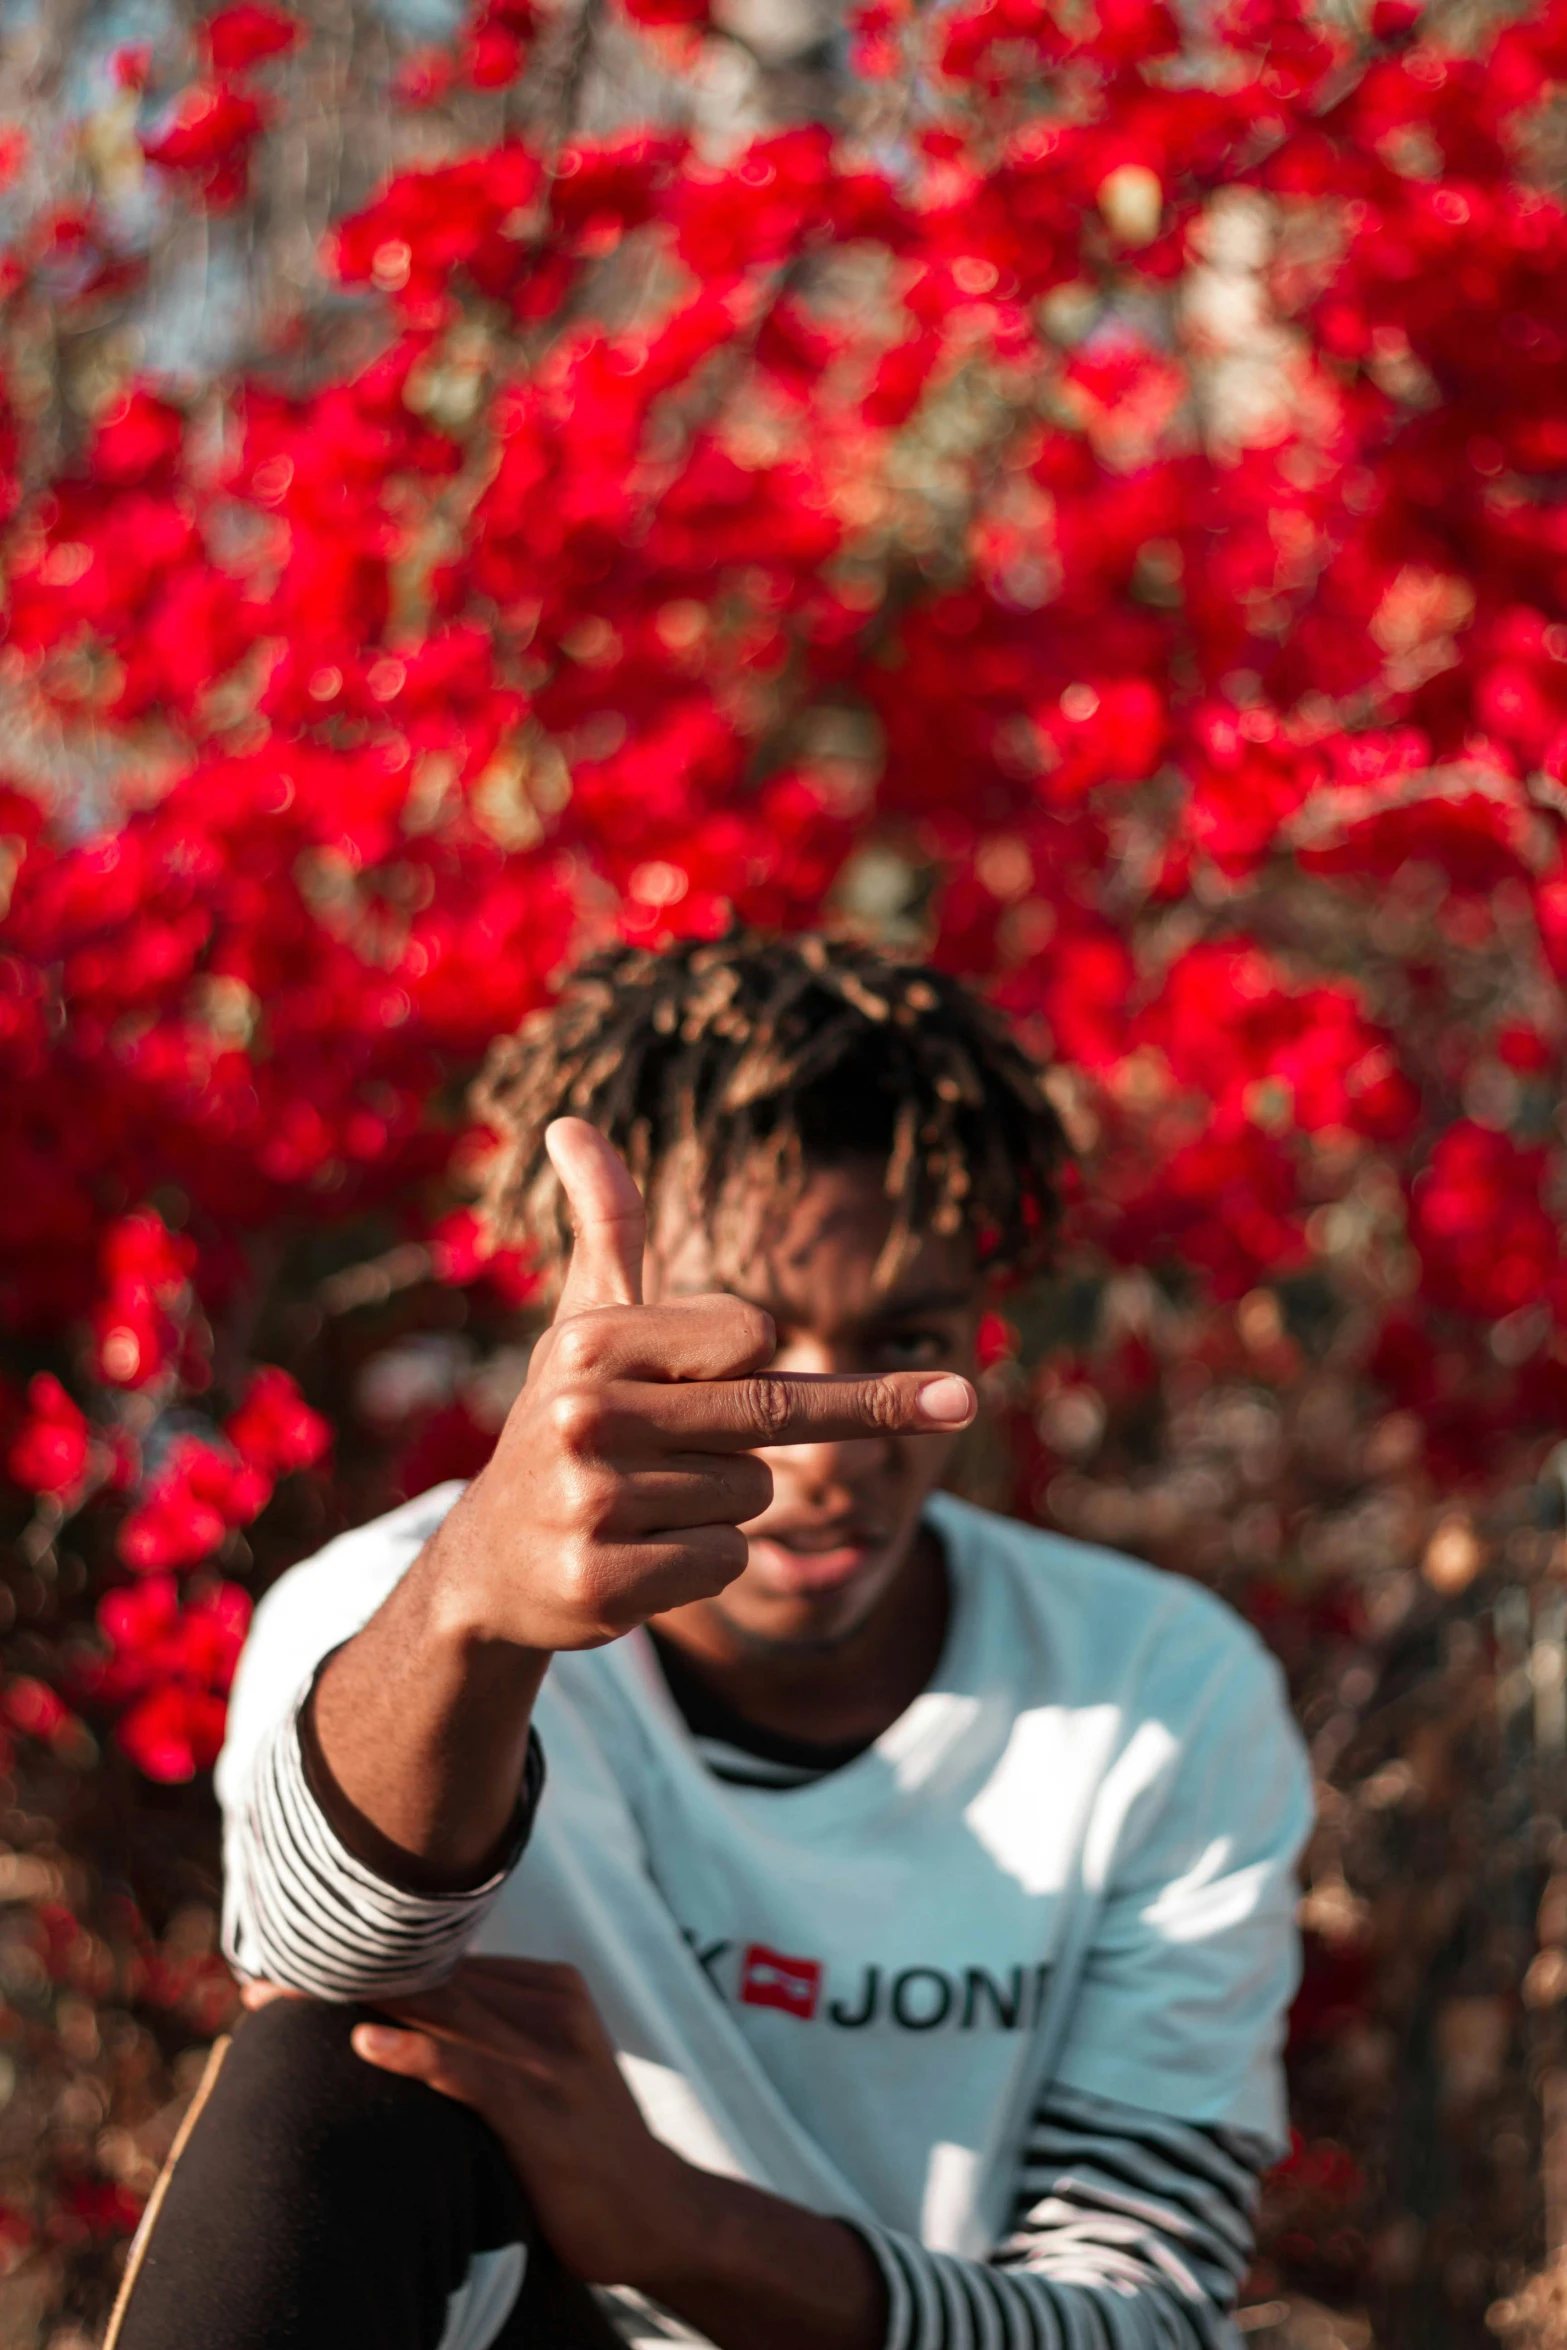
(937, 2301)
(1132, 2231)
(302, 1910)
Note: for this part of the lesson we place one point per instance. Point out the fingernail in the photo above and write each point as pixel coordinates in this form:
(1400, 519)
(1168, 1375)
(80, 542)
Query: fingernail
(948, 1400)
(376, 2039)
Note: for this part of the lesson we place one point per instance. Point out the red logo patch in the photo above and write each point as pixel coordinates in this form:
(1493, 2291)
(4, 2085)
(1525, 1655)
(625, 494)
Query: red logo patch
(768, 1979)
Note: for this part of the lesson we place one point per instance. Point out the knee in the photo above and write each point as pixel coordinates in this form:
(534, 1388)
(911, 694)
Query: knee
(296, 2090)
(316, 2199)
(292, 2036)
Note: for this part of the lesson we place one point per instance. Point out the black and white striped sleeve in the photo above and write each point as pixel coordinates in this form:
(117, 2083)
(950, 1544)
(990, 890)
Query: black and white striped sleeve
(300, 1909)
(1131, 2232)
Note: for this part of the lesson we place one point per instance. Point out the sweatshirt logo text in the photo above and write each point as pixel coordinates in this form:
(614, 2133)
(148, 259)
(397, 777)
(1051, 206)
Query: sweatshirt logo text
(908, 1999)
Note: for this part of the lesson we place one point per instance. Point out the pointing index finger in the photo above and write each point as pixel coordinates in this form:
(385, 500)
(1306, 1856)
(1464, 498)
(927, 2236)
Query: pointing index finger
(799, 1407)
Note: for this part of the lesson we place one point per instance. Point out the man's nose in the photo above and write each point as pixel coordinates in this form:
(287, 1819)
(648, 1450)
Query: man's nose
(828, 1470)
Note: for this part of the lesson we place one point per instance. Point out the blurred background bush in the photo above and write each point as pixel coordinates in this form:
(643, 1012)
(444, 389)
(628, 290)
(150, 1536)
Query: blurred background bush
(1075, 487)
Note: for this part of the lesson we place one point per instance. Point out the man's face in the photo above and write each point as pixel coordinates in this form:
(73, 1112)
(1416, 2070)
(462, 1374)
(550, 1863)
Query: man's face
(843, 1516)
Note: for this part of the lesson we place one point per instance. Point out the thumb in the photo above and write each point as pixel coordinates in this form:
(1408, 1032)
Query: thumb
(607, 1219)
(440, 2063)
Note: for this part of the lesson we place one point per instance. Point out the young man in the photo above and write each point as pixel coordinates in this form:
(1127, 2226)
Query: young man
(897, 1956)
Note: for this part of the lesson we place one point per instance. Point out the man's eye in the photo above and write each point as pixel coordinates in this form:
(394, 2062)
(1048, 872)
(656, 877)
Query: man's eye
(914, 1350)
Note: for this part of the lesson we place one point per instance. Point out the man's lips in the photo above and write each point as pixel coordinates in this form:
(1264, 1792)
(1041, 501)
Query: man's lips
(813, 1558)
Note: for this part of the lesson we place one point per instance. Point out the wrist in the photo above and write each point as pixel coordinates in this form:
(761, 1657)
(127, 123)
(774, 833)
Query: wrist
(417, 1731)
(743, 2265)
(468, 1610)
(684, 2228)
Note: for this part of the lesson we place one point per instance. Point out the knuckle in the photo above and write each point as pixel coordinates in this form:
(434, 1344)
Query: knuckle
(716, 1557)
(579, 1346)
(769, 1405)
(592, 1594)
(753, 1329)
(753, 1485)
(576, 1418)
(580, 1583)
(882, 1405)
(732, 1551)
(595, 1500)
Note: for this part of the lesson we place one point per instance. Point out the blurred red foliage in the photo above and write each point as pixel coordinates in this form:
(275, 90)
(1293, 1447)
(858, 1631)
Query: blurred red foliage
(1099, 521)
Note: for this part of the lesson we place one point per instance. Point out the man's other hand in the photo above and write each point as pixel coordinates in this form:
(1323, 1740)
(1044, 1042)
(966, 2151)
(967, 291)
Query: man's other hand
(521, 2042)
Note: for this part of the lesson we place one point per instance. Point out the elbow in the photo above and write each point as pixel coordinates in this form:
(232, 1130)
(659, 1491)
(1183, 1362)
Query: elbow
(346, 1983)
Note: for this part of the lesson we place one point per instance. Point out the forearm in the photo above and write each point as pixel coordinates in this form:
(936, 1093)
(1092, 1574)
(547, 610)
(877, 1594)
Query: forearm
(1134, 2228)
(417, 1730)
(1141, 2233)
(756, 2273)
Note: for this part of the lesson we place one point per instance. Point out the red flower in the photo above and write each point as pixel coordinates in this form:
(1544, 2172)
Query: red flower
(668, 12)
(49, 1453)
(275, 1430)
(170, 1667)
(773, 534)
(37, 1711)
(461, 1252)
(248, 34)
(171, 1527)
(173, 1732)
(1487, 1241)
(208, 140)
(138, 441)
(493, 56)
(427, 226)
(145, 1272)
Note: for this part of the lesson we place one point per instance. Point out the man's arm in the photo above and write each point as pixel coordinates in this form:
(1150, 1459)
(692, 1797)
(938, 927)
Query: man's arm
(1131, 2218)
(521, 2042)
(617, 1490)
(1132, 2227)
(416, 1734)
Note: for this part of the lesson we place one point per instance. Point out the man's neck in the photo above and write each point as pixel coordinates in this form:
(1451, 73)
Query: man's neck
(827, 1695)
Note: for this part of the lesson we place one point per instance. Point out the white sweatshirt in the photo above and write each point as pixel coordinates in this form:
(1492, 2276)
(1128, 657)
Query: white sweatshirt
(1006, 1991)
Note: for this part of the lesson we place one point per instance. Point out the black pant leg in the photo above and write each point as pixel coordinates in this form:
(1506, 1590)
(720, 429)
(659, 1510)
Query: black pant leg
(319, 2204)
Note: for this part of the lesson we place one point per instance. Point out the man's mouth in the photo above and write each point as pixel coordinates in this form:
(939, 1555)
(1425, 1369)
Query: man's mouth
(814, 1558)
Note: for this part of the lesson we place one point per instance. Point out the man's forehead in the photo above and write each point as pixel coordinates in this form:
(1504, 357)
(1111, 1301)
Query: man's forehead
(828, 1233)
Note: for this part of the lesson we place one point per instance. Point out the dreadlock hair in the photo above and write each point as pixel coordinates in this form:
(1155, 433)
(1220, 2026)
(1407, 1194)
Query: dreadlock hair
(779, 1055)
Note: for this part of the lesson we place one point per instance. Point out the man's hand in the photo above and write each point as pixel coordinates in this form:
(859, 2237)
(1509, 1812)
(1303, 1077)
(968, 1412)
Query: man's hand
(521, 2042)
(618, 1488)
(626, 1467)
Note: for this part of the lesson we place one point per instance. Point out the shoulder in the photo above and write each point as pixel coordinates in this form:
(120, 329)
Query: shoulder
(1102, 1592)
(365, 1560)
(1115, 1624)
(1178, 1714)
